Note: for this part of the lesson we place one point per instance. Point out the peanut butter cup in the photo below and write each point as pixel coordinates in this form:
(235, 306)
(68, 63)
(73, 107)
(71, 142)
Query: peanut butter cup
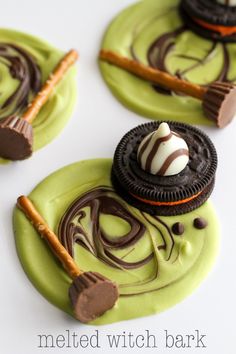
(165, 170)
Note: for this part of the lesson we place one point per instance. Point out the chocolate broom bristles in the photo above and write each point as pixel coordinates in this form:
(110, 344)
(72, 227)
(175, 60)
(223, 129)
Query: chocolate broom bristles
(218, 99)
(16, 133)
(91, 294)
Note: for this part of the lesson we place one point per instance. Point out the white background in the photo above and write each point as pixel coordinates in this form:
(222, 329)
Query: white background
(98, 122)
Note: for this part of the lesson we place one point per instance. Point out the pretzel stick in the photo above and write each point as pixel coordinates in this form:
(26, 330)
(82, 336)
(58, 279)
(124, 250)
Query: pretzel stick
(43, 95)
(153, 75)
(218, 98)
(43, 229)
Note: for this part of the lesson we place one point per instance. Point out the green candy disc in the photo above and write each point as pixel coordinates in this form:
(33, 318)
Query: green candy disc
(153, 32)
(174, 265)
(58, 109)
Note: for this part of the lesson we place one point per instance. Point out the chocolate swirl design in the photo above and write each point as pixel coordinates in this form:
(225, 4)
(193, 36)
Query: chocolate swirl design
(22, 67)
(88, 209)
(100, 202)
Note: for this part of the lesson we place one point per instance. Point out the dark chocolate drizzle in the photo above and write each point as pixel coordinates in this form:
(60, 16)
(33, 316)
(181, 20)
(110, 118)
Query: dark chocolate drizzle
(101, 201)
(23, 67)
(158, 52)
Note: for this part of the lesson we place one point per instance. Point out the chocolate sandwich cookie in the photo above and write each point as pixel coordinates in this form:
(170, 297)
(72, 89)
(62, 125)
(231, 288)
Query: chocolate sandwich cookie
(211, 19)
(165, 170)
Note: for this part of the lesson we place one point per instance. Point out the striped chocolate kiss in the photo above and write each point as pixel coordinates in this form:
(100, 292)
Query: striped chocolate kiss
(163, 152)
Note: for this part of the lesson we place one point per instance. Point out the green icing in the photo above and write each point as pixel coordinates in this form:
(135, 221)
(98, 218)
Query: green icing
(173, 277)
(56, 112)
(131, 34)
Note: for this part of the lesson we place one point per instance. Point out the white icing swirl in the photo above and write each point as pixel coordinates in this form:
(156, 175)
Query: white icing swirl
(163, 152)
(227, 2)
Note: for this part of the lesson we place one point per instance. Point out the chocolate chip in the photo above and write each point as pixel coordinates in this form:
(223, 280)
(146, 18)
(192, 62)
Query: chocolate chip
(178, 228)
(200, 223)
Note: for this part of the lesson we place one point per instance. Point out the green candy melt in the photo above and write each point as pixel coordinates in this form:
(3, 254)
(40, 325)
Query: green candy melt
(58, 109)
(155, 286)
(201, 61)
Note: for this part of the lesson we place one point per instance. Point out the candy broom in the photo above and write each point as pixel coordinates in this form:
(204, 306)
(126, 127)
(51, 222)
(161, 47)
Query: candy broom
(218, 99)
(16, 133)
(90, 293)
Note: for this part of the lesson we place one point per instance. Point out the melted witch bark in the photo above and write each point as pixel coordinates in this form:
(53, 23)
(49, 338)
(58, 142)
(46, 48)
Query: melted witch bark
(154, 268)
(16, 133)
(25, 63)
(153, 33)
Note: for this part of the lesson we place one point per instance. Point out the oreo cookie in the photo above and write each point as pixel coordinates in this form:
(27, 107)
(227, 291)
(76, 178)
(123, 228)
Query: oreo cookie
(160, 194)
(210, 19)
